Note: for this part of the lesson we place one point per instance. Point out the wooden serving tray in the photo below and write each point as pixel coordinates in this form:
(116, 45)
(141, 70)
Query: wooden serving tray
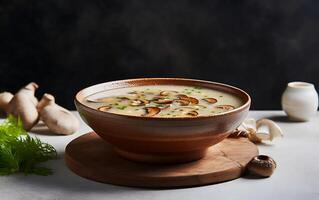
(91, 157)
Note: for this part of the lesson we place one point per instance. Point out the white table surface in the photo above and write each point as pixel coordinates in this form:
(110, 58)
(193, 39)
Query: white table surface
(297, 175)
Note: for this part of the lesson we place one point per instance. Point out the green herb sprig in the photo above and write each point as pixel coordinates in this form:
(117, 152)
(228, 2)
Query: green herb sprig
(21, 153)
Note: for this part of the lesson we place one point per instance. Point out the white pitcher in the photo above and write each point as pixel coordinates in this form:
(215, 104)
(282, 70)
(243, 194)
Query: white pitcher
(300, 101)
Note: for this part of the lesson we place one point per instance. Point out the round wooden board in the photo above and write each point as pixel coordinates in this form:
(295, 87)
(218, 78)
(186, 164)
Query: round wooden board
(91, 157)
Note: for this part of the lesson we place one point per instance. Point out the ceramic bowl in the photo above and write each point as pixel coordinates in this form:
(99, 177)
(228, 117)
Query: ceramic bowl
(300, 101)
(162, 140)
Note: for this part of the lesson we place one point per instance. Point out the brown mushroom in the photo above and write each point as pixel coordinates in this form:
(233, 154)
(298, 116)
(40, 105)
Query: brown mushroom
(23, 105)
(104, 108)
(163, 101)
(182, 102)
(210, 100)
(157, 98)
(123, 98)
(166, 93)
(192, 113)
(262, 165)
(151, 111)
(139, 102)
(192, 100)
(182, 96)
(225, 107)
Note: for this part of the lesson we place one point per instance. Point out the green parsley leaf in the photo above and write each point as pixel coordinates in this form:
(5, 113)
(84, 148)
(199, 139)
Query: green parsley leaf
(121, 107)
(19, 152)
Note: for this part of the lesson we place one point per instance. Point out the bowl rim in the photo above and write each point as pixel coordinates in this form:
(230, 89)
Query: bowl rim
(108, 114)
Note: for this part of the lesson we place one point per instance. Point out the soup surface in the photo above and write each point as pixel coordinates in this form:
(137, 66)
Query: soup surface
(165, 101)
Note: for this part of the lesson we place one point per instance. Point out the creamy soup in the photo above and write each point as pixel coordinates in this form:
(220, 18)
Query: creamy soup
(165, 101)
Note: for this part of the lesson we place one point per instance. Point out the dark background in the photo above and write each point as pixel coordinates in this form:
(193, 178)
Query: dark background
(65, 45)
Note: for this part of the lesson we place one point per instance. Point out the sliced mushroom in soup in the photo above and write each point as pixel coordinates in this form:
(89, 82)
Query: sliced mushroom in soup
(163, 101)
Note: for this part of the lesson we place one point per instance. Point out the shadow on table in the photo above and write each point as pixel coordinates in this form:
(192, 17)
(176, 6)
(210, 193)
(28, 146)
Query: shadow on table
(281, 118)
(253, 177)
(65, 180)
(42, 129)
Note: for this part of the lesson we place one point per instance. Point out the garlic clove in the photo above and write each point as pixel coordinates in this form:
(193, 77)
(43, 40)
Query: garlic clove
(23, 105)
(58, 119)
(5, 98)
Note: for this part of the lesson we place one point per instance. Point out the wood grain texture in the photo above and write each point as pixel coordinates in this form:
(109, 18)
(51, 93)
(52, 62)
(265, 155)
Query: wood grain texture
(91, 157)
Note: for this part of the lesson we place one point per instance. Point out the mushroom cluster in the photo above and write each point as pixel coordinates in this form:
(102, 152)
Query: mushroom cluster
(158, 103)
(25, 106)
(258, 131)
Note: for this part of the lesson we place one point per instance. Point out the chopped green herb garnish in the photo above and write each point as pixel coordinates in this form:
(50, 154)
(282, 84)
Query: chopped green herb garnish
(21, 153)
(197, 88)
(121, 107)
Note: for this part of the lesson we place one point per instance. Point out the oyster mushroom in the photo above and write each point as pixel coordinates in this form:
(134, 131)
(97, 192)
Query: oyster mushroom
(262, 165)
(210, 100)
(271, 127)
(151, 111)
(258, 131)
(225, 107)
(104, 108)
(139, 102)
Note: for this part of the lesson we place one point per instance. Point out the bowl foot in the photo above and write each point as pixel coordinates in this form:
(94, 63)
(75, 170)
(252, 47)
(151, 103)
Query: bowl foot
(163, 158)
